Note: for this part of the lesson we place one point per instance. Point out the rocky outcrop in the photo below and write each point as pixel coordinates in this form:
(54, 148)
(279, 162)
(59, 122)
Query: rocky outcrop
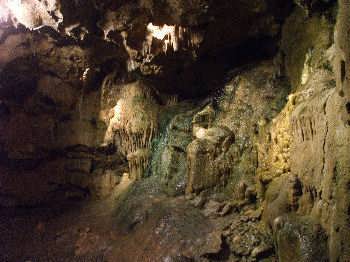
(300, 239)
(336, 159)
(297, 166)
(207, 158)
(51, 136)
(169, 153)
(133, 126)
(316, 122)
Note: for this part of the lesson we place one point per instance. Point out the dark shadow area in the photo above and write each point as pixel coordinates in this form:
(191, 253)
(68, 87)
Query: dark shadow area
(207, 74)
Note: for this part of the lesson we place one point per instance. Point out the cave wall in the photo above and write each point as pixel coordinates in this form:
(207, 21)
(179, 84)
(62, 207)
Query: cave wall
(338, 144)
(290, 155)
(317, 136)
(51, 134)
(65, 71)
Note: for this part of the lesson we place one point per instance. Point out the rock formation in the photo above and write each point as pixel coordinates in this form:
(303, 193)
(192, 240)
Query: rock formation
(134, 125)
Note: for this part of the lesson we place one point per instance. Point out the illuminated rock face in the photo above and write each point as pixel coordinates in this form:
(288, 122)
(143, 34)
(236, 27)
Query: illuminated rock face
(172, 39)
(207, 159)
(31, 13)
(134, 126)
(314, 121)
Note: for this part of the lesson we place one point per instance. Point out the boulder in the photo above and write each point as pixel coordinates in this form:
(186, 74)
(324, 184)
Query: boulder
(299, 239)
(206, 158)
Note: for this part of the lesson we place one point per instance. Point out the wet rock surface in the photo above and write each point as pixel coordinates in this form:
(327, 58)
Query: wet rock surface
(169, 157)
(142, 224)
(300, 239)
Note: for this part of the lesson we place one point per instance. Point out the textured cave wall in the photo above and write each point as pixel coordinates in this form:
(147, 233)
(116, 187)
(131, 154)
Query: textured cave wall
(63, 69)
(134, 125)
(339, 140)
(291, 154)
(124, 25)
(314, 127)
(51, 136)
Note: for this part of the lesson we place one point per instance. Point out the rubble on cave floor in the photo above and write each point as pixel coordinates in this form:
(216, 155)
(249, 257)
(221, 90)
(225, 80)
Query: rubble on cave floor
(147, 226)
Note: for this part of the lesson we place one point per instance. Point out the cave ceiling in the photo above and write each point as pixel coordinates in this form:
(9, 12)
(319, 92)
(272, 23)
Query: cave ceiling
(173, 43)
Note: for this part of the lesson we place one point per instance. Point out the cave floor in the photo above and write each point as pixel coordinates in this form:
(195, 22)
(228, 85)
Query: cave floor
(145, 227)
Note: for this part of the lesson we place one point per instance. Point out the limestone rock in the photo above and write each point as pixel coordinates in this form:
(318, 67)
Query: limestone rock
(212, 208)
(248, 240)
(134, 125)
(300, 240)
(169, 157)
(213, 244)
(199, 201)
(281, 197)
(79, 165)
(203, 158)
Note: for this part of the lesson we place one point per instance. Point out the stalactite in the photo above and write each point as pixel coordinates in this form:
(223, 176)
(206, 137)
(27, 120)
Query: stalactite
(134, 126)
(174, 37)
(132, 64)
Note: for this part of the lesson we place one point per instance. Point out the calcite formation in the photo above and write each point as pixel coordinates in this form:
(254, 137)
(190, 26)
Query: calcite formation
(134, 125)
(312, 141)
(274, 150)
(32, 14)
(169, 160)
(206, 159)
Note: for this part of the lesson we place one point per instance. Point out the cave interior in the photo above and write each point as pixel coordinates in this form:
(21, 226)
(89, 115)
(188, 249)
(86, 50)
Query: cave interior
(175, 130)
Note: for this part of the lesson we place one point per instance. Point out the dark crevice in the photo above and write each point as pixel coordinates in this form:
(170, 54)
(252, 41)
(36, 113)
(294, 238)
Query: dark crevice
(348, 107)
(342, 71)
(207, 74)
(325, 138)
(222, 255)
